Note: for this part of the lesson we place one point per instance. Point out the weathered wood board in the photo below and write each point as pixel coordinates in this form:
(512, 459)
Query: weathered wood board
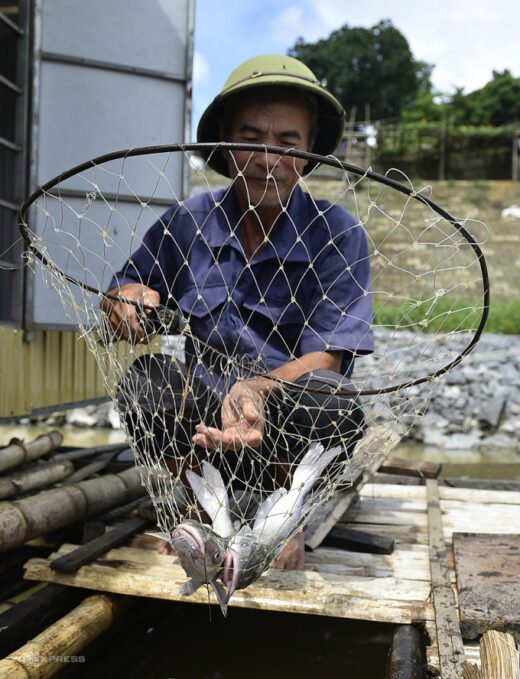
(488, 580)
(394, 588)
(341, 584)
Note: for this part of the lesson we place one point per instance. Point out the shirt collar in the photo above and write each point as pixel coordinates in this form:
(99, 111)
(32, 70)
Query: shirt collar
(221, 227)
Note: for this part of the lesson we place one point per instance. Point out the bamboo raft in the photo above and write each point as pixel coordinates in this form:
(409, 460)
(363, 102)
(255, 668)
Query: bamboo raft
(398, 553)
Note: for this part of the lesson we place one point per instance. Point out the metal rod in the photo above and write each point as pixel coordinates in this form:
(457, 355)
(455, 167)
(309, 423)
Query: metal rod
(119, 197)
(11, 24)
(110, 66)
(10, 145)
(9, 205)
(9, 84)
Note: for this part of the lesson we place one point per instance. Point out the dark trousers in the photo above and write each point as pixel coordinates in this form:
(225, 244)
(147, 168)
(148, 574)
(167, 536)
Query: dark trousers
(161, 403)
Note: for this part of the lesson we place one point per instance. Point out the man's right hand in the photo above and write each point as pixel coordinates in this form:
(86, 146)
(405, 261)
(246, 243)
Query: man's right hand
(124, 317)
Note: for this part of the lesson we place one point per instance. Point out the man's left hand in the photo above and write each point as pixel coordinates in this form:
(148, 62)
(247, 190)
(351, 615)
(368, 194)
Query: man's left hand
(242, 419)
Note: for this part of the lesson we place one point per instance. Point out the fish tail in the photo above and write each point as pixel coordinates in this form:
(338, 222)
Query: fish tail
(189, 587)
(312, 464)
(221, 595)
(214, 480)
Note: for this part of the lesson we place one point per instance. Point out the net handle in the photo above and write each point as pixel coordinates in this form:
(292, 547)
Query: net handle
(331, 161)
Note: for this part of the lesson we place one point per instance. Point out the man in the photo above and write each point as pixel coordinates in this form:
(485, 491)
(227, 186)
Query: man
(260, 270)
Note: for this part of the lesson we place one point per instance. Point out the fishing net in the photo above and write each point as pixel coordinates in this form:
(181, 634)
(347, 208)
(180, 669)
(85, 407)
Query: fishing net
(397, 284)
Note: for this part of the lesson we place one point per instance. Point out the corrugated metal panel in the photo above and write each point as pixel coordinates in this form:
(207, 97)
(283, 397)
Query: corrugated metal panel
(53, 368)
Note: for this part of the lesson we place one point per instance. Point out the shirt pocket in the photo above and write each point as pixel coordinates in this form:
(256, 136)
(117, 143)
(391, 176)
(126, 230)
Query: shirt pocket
(280, 312)
(202, 302)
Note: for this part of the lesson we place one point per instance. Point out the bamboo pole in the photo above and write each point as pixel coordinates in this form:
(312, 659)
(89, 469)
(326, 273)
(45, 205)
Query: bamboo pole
(40, 476)
(17, 452)
(405, 656)
(62, 642)
(499, 656)
(28, 518)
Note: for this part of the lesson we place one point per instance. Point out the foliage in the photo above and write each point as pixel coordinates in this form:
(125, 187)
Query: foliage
(450, 314)
(419, 136)
(495, 104)
(367, 66)
(424, 110)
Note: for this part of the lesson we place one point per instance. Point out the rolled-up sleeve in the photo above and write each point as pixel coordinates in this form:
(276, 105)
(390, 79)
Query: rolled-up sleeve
(339, 311)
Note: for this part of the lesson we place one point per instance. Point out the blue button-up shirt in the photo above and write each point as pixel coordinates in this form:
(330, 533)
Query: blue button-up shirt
(307, 290)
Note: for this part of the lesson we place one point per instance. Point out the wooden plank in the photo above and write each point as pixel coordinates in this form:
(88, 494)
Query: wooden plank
(71, 562)
(331, 594)
(449, 639)
(488, 581)
(419, 468)
(369, 452)
(446, 494)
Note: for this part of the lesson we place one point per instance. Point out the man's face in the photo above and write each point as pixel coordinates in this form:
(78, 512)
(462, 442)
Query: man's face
(268, 178)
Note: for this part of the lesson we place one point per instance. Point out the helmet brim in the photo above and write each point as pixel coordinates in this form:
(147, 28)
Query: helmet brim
(330, 123)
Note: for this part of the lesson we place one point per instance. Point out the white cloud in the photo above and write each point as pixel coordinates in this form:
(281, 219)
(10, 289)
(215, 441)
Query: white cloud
(201, 69)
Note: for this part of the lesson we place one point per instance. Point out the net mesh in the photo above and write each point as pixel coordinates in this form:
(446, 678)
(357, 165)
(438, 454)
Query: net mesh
(250, 359)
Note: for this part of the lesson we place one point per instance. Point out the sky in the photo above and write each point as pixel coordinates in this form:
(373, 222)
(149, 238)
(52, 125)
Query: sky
(465, 39)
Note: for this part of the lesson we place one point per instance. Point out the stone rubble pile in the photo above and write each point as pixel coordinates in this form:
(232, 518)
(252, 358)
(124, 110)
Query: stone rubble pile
(475, 406)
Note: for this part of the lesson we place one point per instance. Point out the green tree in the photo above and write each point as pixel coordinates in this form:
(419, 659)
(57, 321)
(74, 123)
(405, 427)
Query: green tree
(367, 66)
(497, 103)
(424, 109)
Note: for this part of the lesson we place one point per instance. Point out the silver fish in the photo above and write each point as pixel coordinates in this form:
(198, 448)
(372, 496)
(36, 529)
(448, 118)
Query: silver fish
(211, 494)
(251, 551)
(201, 553)
(246, 559)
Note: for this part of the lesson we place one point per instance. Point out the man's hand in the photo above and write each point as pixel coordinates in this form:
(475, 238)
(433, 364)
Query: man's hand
(123, 317)
(293, 556)
(242, 418)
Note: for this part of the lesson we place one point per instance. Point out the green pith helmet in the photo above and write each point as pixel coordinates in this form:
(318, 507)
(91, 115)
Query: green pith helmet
(266, 71)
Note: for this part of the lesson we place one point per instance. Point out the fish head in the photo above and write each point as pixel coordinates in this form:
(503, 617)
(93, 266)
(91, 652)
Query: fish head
(245, 561)
(200, 550)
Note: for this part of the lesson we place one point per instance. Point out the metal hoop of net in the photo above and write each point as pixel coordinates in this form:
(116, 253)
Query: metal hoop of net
(376, 275)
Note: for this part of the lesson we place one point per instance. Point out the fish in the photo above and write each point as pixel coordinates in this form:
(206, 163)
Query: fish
(212, 495)
(245, 561)
(251, 550)
(201, 553)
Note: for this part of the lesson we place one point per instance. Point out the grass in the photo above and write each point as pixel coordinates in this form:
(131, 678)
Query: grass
(448, 314)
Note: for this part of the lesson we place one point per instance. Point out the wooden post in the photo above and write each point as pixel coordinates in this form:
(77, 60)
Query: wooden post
(405, 655)
(22, 520)
(514, 154)
(54, 648)
(449, 638)
(368, 150)
(350, 132)
(443, 143)
(18, 452)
